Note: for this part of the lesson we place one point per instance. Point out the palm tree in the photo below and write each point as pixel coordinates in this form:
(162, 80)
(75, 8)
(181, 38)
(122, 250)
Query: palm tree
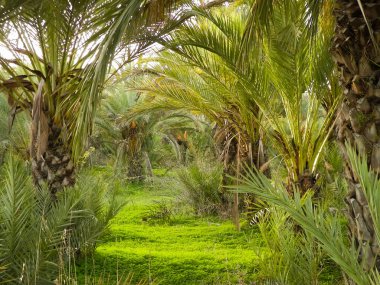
(266, 96)
(300, 111)
(57, 66)
(355, 50)
(130, 134)
(199, 73)
(322, 224)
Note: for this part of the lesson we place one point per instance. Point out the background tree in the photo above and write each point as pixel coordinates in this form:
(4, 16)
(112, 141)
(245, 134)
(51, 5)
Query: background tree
(131, 135)
(207, 82)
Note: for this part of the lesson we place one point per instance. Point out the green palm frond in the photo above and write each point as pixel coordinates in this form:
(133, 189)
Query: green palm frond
(285, 85)
(207, 80)
(121, 108)
(38, 233)
(70, 45)
(370, 183)
(299, 72)
(126, 26)
(324, 226)
(261, 18)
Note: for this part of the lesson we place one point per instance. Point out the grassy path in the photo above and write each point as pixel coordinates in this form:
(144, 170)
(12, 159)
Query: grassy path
(185, 250)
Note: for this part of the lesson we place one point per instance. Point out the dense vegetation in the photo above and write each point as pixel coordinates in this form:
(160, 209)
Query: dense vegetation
(190, 142)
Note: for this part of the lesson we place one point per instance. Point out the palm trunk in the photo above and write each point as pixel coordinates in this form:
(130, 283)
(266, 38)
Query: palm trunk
(356, 52)
(135, 167)
(134, 153)
(237, 152)
(53, 165)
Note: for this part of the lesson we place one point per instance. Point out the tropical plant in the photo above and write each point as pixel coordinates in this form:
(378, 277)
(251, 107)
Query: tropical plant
(355, 50)
(293, 258)
(58, 65)
(131, 136)
(202, 188)
(324, 225)
(300, 75)
(279, 90)
(199, 73)
(39, 234)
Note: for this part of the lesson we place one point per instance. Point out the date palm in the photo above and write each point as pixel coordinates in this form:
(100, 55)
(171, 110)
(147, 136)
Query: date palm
(355, 50)
(199, 73)
(277, 92)
(59, 54)
(300, 114)
(39, 236)
(130, 135)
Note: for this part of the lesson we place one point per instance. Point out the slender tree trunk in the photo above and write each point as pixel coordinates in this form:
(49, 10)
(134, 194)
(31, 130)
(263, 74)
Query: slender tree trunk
(235, 211)
(134, 153)
(135, 167)
(357, 55)
(149, 168)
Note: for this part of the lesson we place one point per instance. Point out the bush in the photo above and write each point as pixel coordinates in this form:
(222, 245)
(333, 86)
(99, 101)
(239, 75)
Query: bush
(202, 188)
(158, 212)
(40, 237)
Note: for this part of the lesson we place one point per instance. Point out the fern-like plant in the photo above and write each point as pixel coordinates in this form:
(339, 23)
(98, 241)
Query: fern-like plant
(202, 188)
(325, 226)
(40, 235)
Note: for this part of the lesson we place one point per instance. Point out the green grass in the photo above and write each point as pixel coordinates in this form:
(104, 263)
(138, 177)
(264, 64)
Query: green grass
(184, 250)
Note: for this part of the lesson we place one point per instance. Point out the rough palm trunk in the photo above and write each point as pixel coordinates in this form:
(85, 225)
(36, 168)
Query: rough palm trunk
(53, 165)
(135, 167)
(134, 152)
(237, 152)
(183, 148)
(357, 54)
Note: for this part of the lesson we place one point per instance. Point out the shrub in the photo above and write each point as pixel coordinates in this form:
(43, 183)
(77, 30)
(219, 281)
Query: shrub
(202, 187)
(158, 212)
(41, 236)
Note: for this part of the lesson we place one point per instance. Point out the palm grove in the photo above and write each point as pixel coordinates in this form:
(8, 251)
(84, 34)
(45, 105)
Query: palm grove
(278, 86)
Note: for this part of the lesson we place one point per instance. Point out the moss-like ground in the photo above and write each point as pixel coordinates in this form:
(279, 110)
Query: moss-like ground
(183, 250)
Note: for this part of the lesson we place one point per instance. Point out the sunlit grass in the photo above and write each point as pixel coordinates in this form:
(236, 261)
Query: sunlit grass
(188, 250)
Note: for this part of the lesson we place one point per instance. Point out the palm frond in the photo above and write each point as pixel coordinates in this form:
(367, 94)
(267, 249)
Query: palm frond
(369, 182)
(325, 227)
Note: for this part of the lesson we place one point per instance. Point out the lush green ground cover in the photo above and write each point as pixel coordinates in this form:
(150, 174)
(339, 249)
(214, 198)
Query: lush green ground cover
(176, 249)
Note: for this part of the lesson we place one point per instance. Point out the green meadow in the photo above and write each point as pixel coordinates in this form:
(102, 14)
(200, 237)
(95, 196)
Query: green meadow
(158, 240)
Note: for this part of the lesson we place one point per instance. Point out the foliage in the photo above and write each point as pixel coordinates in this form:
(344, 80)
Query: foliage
(202, 187)
(318, 221)
(41, 235)
(295, 257)
(251, 83)
(13, 132)
(64, 52)
(282, 96)
(298, 72)
(128, 135)
(199, 72)
(159, 212)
